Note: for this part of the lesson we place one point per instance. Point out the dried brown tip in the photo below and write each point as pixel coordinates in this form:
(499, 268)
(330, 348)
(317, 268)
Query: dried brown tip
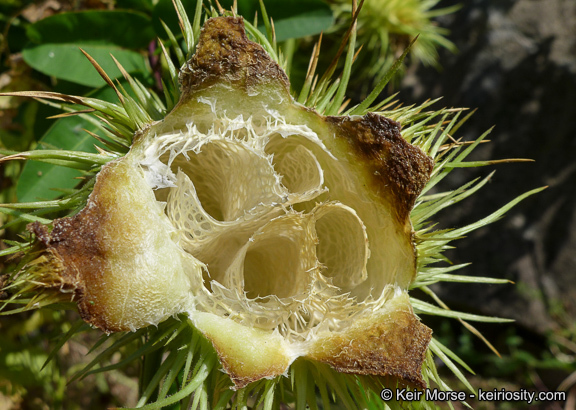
(395, 346)
(77, 254)
(224, 53)
(398, 168)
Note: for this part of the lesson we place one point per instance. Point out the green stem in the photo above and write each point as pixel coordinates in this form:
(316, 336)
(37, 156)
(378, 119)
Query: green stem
(150, 365)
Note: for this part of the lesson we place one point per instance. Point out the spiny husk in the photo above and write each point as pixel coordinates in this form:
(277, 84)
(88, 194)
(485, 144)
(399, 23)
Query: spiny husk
(281, 235)
(280, 232)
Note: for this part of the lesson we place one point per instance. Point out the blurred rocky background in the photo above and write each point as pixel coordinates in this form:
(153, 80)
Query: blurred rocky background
(517, 65)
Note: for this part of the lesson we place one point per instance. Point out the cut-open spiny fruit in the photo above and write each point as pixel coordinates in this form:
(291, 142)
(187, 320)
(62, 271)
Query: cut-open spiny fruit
(280, 232)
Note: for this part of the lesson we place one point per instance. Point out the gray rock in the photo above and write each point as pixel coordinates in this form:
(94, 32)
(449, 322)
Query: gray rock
(517, 65)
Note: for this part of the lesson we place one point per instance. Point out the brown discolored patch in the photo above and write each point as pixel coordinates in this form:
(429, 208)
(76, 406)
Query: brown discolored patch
(394, 347)
(75, 250)
(225, 53)
(395, 164)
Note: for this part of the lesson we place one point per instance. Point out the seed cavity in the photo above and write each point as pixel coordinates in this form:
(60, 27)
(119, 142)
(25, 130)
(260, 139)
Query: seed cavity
(250, 202)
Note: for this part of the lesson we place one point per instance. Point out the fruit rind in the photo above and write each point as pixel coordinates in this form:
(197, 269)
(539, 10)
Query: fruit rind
(118, 256)
(152, 243)
(246, 354)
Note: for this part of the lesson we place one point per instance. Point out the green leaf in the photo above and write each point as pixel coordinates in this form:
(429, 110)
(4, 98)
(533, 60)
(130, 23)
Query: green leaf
(66, 61)
(164, 12)
(14, 249)
(495, 215)
(77, 327)
(39, 180)
(428, 279)
(299, 18)
(292, 18)
(444, 353)
(19, 217)
(425, 308)
(122, 28)
(142, 5)
(363, 107)
(206, 363)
